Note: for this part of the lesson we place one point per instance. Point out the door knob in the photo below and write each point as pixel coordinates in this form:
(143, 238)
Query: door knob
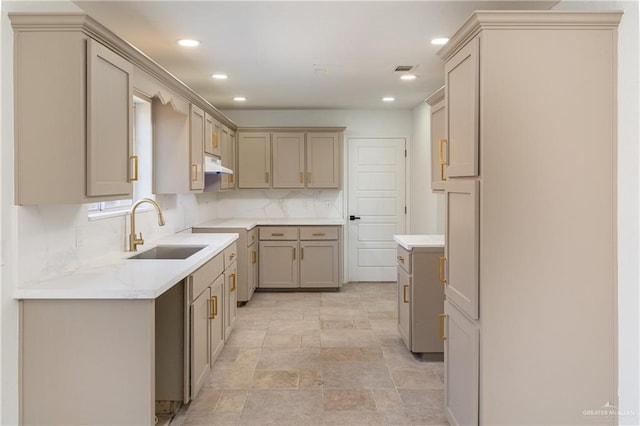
(352, 217)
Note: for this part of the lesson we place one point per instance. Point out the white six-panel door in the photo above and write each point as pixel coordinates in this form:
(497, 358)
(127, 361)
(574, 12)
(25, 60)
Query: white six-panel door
(377, 197)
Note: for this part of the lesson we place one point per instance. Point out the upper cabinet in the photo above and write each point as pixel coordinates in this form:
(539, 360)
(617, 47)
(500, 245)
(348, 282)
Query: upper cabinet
(298, 158)
(196, 145)
(212, 136)
(228, 156)
(438, 121)
(73, 123)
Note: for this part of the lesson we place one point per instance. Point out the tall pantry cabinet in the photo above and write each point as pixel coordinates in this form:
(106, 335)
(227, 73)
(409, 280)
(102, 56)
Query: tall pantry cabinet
(530, 258)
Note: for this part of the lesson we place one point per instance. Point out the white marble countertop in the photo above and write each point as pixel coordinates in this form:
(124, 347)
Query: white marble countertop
(120, 278)
(250, 223)
(411, 241)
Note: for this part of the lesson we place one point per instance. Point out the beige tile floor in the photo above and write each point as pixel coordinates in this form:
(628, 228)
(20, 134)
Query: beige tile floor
(331, 358)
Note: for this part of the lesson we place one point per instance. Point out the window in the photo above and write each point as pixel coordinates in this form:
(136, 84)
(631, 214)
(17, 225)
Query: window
(142, 146)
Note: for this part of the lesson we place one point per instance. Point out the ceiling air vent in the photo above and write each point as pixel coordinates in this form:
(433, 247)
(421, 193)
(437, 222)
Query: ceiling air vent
(403, 68)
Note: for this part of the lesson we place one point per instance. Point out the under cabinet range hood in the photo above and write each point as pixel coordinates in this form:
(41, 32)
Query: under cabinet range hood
(212, 165)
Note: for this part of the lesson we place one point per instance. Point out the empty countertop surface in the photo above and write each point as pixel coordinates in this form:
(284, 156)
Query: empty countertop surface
(116, 277)
(250, 223)
(412, 241)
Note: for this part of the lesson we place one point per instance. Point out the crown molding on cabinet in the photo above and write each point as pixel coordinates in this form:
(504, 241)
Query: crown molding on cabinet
(291, 129)
(538, 19)
(436, 97)
(27, 21)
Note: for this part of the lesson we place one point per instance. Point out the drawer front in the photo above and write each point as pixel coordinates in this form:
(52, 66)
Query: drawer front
(318, 233)
(279, 233)
(252, 236)
(230, 255)
(205, 275)
(404, 259)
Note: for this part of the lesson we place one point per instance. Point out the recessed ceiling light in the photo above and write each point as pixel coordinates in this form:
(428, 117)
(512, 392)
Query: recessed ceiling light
(219, 76)
(239, 99)
(388, 99)
(186, 42)
(439, 41)
(408, 77)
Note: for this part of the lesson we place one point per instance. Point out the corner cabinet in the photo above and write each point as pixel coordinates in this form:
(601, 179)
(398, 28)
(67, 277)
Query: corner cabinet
(290, 157)
(530, 167)
(74, 122)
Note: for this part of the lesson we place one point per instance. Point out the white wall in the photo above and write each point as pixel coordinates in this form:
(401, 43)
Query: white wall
(628, 204)
(427, 208)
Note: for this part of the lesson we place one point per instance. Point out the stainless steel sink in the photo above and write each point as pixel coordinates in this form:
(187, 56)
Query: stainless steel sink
(176, 252)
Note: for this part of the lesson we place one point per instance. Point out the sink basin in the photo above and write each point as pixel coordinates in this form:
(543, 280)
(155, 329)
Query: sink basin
(168, 252)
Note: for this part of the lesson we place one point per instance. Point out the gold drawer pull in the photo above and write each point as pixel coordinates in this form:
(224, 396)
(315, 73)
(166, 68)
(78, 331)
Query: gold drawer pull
(301, 253)
(442, 161)
(401, 259)
(318, 234)
(441, 318)
(135, 168)
(441, 270)
(194, 166)
(214, 307)
(216, 143)
(404, 293)
(231, 256)
(277, 234)
(254, 257)
(233, 278)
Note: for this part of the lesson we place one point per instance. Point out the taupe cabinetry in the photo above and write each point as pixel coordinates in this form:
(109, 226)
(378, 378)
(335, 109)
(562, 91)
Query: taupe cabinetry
(73, 123)
(300, 257)
(227, 156)
(209, 129)
(197, 139)
(254, 159)
(420, 299)
(230, 288)
(438, 132)
(247, 259)
(296, 157)
(530, 217)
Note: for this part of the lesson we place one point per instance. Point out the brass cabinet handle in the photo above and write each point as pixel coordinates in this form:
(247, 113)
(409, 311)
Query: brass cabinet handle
(294, 253)
(277, 234)
(401, 259)
(194, 167)
(301, 177)
(254, 257)
(442, 160)
(441, 318)
(214, 307)
(216, 143)
(404, 293)
(231, 256)
(301, 253)
(231, 178)
(441, 270)
(233, 278)
(135, 168)
(318, 234)
(266, 177)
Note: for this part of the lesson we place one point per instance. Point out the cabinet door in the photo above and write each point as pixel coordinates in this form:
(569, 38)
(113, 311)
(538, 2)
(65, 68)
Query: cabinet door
(200, 344)
(208, 133)
(225, 156)
(319, 264)
(323, 160)
(196, 138)
(278, 264)
(462, 236)
(254, 160)
(462, 367)
(231, 297)
(217, 135)
(109, 123)
(288, 160)
(462, 82)
(404, 306)
(438, 137)
(216, 317)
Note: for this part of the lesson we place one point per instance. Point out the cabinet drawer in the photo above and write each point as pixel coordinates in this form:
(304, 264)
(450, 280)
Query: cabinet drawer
(278, 233)
(204, 276)
(252, 236)
(404, 259)
(230, 255)
(318, 233)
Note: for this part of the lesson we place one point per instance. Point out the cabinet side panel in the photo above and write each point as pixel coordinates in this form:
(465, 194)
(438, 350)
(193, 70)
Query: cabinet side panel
(100, 373)
(49, 117)
(547, 225)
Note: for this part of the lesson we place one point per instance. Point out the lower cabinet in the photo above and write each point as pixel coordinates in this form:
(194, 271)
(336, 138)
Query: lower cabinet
(404, 307)
(231, 298)
(300, 257)
(462, 366)
(252, 268)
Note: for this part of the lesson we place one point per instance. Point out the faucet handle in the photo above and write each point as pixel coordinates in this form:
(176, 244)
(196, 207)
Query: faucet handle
(140, 239)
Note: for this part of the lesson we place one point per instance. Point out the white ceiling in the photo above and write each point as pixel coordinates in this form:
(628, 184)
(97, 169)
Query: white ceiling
(297, 54)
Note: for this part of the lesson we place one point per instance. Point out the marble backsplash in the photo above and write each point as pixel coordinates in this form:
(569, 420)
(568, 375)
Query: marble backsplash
(54, 240)
(277, 203)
